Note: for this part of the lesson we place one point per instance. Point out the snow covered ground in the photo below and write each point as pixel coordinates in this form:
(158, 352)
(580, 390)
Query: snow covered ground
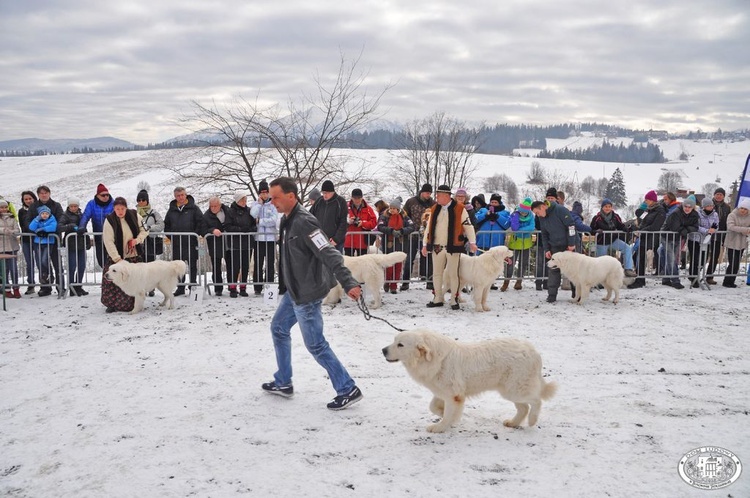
(168, 403)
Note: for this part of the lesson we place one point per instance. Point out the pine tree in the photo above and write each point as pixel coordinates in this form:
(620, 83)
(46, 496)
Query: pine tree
(616, 190)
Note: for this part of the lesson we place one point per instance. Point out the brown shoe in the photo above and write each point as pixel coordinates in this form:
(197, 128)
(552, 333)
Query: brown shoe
(518, 285)
(710, 281)
(505, 285)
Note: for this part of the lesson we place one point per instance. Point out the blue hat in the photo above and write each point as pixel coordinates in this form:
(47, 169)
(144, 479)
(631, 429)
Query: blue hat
(43, 209)
(606, 201)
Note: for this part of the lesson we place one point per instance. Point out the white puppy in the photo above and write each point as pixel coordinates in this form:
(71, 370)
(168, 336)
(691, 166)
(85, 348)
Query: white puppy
(138, 279)
(367, 269)
(585, 272)
(480, 272)
(454, 371)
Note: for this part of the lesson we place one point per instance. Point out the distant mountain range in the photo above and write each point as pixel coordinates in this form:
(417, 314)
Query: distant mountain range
(64, 144)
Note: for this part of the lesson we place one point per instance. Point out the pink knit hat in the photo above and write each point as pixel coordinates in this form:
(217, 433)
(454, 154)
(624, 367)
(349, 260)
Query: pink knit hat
(651, 196)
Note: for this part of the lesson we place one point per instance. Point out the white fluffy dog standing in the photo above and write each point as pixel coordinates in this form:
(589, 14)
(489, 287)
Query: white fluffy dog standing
(454, 371)
(480, 272)
(367, 269)
(585, 272)
(138, 279)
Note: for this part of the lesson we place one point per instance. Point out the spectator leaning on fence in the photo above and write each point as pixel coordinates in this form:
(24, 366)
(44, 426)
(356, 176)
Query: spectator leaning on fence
(241, 225)
(520, 240)
(738, 228)
(48, 252)
(700, 241)
(97, 210)
(678, 225)
(28, 198)
(650, 221)
(214, 221)
(267, 218)
(415, 208)
(76, 242)
(183, 216)
(152, 223)
(722, 209)
(45, 248)
(396, 227)
(605, 223)
(360, 218)
(331, 211)
(9, 232)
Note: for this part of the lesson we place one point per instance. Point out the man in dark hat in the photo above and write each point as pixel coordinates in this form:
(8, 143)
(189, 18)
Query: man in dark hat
(331, 212)
(415, 208)
(714, 251)
(446, 234)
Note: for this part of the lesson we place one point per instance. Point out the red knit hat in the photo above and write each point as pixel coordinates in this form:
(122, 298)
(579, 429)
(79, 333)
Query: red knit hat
(101, 189)
(651, 196)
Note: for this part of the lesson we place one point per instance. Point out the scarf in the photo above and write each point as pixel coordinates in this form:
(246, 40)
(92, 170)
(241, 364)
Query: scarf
(144, 210)
(608, 219)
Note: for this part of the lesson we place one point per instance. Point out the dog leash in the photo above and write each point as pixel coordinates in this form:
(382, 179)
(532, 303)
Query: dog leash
(363, 308)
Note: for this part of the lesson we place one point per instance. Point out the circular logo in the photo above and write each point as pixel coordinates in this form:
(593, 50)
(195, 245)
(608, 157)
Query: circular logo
(709, 467)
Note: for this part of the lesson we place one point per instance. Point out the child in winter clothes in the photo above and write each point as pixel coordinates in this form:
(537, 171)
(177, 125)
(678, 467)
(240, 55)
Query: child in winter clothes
(522, 226)
(44, 225)
(396, 226)
(76, 244)
(9, 232)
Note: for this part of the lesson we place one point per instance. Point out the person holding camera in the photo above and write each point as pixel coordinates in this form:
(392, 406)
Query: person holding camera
(360, 218)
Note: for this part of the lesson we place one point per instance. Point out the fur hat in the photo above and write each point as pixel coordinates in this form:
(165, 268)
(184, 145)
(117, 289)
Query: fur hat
(606, 201)
(357, 192)
(314, 194)
(327, 186)
(577, 207)
(720, 191)
(707, 201)
(525, 206)
(651, 196)
(426, 188)
(263, 186)
(101, 189)
(444, 189)
(689, 201)
(551, 192)
(239, 196)
(396, 203)
(74, 201)
(142, 196)
(744, 203)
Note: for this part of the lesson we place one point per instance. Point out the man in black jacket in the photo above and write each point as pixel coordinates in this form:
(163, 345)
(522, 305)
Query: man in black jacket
(44, 199)
(331, 211)
(650, 221)
(558, 234)
(715, 249)
(184, 216)
(308, 268)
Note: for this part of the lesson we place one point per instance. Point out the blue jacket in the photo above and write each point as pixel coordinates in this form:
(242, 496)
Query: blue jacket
(49, 226)
(96, 213)
(491, 232)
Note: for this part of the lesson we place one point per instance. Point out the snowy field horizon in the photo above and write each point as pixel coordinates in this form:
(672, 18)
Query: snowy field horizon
(168, 403)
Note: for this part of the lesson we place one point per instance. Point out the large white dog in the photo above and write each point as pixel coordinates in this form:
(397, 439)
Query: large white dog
(454, 371)
(138, 279)
(367, 268)
(585, 272)
(480, 272)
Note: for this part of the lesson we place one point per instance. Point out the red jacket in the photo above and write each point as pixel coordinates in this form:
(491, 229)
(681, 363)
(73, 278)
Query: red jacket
(368, 220)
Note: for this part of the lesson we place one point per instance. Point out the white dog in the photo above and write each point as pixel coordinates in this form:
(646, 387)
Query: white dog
(138, 279)
(585, 272)
(454, 371)
(480, 272)
(367, 269)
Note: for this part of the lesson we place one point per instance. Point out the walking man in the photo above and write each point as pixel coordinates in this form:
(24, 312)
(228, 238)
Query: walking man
(308, 268)
(558, 234)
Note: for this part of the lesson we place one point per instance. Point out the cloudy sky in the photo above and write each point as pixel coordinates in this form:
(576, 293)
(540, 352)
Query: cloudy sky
(87, 68)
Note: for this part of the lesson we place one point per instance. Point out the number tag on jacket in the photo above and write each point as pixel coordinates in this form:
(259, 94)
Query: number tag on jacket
(319, 239)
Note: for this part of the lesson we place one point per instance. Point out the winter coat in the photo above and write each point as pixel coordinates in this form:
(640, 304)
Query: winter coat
(68, 224)
(491, 227)
(309, 265)
(55, 207)
(579, 224)
(212, 222)
(152, 221)
(97, 212)
(368, 222)
(48, 227)
(651, 220)
(415, 208)
(556, 228)
(599, 225)
(332, 215)
(387, 225)
(738, 228)
(23, 221)
(9, 232)
(680, 223)
(267, 219)
(239, 221)
(522, 228)
(723, 209)
(705, 222)
(187, 218)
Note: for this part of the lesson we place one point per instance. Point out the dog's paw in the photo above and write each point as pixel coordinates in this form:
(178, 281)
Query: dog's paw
(436, 428)
(509, 423)
(479, 309)
(486, 308)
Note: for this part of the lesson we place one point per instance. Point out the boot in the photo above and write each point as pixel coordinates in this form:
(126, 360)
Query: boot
(504, 288)
(17, 293)
(518, 285)
(30, 290)
(73, 293)
(80, 291)
(9, 294)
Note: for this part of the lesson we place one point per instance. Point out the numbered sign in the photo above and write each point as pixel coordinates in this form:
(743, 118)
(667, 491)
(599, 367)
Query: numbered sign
(270, 294)
(196, 295)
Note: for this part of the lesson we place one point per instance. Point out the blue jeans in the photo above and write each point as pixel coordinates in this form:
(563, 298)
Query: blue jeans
(28, 256)
(671, 251)
(310, 320)
(76, 263)
(618, 245)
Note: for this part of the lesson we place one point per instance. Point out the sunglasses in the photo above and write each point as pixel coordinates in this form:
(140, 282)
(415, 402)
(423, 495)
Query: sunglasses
(103, 195)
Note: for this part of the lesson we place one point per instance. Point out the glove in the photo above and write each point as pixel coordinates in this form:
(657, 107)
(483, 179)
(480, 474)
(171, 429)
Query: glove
(468, 207)
(397, 233)
(41, 233)
(81, 229)
(599, 230)
(492, 216)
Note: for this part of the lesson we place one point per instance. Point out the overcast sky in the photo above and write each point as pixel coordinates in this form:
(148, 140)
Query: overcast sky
(129, 69)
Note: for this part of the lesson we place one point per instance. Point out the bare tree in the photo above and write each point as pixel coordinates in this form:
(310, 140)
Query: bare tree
(708, 189)
(502, 183)
(536, 174)
(669, 181)
(438, 150)
(251, 142)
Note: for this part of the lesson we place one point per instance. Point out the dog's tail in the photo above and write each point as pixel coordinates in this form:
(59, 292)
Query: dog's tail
(390, 259)
(180, 269)
(549, 390)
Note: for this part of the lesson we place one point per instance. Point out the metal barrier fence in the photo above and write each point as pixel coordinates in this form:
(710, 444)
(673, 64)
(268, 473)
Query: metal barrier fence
(244, 261)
